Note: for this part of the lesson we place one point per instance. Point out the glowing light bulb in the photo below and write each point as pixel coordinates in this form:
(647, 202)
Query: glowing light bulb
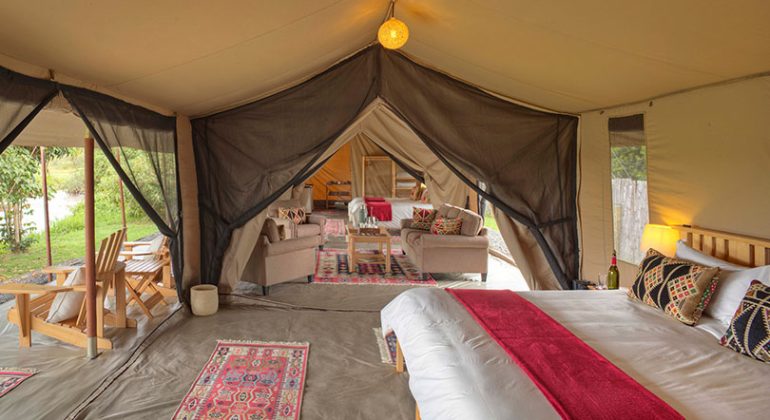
(393, 34)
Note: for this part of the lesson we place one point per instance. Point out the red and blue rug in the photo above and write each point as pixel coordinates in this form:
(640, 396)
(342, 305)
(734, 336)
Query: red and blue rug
(10, 378)
(249, 380)
(332, 268)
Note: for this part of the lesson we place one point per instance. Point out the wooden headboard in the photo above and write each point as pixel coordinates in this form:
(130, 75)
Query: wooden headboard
(737, 249)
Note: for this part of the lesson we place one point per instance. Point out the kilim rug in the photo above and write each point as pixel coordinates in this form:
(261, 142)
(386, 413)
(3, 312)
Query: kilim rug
(248, 380)
(335, 227)
(387, 346)
(10, 378)
(332, 268)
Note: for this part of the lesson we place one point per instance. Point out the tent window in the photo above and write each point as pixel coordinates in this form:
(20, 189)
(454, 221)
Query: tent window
(630, 207)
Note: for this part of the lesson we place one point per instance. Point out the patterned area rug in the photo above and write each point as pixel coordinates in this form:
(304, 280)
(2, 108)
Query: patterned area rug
(10, 378)
(248, 380)
(332, 268)
(335, 227)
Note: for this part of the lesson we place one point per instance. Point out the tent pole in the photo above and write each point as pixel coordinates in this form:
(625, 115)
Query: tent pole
(90, 248)
(44, 177)
(122, 196)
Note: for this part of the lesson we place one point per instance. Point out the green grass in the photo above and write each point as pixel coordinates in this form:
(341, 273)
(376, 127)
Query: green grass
(490, 222)
(66, 244)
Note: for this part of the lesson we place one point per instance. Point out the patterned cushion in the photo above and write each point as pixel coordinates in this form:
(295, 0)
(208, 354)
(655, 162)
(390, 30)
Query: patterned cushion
(749, 331)
(422, 218)
(295, 214)
(446, 226)
(681, 288)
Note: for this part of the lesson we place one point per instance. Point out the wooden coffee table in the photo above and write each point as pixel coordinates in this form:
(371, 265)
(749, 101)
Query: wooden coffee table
(382, 240)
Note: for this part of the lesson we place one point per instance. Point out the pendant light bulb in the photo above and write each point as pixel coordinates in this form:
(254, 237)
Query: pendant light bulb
(393, 33)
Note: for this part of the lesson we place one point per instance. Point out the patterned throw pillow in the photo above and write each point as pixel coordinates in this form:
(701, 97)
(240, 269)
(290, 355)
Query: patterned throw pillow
(422, 218)
(446, 226)
(681, 288)
(295, 214)
(749, 331)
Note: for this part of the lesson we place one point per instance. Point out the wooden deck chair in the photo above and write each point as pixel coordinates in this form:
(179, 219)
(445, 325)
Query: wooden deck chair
(32, 314)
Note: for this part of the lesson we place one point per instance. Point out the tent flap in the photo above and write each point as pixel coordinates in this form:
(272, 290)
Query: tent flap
(249, 155)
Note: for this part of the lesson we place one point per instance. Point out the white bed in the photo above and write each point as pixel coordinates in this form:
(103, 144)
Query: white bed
(456, 371)
(402, 209)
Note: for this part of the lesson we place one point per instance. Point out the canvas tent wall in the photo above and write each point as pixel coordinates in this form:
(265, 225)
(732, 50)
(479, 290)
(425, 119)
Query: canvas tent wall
(526, 158)
(337, 168)
(707, 156)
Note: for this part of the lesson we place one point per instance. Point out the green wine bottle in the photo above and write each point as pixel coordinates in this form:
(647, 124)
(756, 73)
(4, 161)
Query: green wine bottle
(613, 275)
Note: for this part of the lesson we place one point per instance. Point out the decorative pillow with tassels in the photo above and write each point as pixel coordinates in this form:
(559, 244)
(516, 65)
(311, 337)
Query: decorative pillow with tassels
(422, 218)
(749, 331)
(682, 289)
(446, 226)
(295, 214)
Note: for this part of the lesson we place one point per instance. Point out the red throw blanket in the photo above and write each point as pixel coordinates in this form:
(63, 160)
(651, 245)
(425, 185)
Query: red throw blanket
(578, 381)
(379, 208)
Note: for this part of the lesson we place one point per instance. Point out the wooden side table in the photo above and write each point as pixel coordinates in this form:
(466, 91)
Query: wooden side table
(382, 240)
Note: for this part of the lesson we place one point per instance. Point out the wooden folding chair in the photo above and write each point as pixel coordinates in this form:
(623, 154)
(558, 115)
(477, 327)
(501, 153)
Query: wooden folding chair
(143, 269)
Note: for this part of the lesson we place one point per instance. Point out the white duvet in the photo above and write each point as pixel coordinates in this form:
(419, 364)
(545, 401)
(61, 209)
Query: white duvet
(456, 371)
(402, 209)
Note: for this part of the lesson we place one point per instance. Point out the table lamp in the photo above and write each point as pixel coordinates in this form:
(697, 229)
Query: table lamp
(660, 238)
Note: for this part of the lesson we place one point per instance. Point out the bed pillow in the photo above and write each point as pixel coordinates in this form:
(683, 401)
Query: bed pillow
(685, 252)
(680, 288)
(66, 305)
(422, 218)
(446, 226)
(749, 331)
(731, 289)
(295, 214)
(733, 281)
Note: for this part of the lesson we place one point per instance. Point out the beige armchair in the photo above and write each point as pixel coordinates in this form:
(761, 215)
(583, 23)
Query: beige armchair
(277, 260)
(464, 253)
(314, 225)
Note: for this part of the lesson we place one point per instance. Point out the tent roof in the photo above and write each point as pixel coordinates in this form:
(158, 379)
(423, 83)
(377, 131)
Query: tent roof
(199, 57)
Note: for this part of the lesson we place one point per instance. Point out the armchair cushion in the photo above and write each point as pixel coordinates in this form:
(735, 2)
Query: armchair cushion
(290, 245)
(308, 229)
(453, 241)
(317, 219)
(406, 223)
(66, 305)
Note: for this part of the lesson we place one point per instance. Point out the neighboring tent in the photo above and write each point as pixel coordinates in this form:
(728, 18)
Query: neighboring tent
(249, 156)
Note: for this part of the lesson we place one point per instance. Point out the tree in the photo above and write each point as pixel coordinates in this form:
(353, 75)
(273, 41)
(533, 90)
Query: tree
(629, 162)
(19, 167)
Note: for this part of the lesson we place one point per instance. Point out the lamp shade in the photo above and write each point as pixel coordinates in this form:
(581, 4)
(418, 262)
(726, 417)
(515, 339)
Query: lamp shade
(660, 238)
(393, 34)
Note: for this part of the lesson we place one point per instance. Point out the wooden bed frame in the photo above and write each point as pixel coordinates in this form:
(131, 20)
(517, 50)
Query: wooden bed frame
(737, 249)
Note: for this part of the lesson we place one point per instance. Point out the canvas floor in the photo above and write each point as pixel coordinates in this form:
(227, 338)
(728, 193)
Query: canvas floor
(152, 367)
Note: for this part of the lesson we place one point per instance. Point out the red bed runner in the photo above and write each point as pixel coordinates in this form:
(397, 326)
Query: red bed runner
(378, 207)
(578, 381)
